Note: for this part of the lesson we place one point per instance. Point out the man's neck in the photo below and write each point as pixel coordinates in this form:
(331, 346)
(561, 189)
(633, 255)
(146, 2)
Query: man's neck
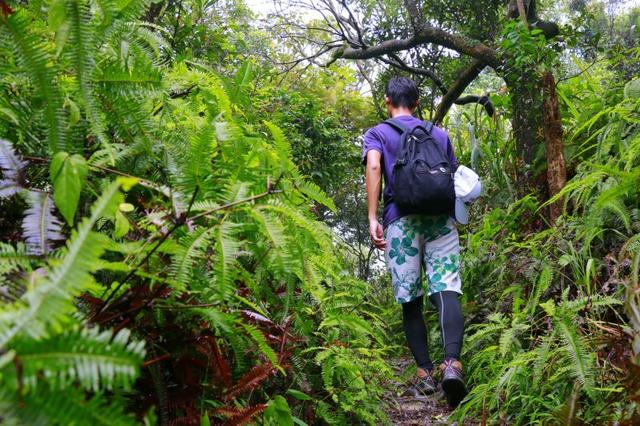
(400, 112)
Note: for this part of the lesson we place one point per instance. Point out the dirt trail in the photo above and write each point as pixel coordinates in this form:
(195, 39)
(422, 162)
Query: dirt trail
(410, 408)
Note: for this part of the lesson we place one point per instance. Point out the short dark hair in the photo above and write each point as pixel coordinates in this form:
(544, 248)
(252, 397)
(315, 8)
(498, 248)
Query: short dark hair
(402, 92)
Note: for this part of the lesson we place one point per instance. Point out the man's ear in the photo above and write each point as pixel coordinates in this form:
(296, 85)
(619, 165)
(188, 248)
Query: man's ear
(387, 100)
(415, 105)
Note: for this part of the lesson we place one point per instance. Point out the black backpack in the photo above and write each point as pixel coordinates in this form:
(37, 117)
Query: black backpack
(422, 173)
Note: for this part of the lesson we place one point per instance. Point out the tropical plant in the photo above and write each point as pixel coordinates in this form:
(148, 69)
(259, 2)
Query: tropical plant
(207, 290)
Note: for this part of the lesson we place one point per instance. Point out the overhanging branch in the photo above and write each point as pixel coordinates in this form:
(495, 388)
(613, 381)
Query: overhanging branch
(459, 86)
(482, 100)
(427, 34)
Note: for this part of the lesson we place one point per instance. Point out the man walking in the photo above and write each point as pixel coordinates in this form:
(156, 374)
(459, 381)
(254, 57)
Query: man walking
(414, 242)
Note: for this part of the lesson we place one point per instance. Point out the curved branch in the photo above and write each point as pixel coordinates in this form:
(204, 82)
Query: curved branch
(482, 100)
(459, 86)
(474, 99)
(399, 63)
(426, 34)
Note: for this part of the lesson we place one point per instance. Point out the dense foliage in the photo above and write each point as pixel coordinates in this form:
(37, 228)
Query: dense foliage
(183, 228)
(199, 256)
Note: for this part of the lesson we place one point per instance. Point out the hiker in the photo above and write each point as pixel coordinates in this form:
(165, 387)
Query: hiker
(419, 241)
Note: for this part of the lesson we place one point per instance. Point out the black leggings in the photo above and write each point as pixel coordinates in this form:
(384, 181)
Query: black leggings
(451, 327)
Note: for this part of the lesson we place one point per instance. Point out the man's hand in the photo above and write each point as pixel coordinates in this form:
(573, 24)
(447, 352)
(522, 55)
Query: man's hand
(377, 236)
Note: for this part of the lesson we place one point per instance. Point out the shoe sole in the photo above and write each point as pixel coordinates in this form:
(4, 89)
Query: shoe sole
(455, 391)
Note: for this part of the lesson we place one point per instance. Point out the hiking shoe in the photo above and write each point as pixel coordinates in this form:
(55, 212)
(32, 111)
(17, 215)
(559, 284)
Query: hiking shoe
(426, 385)
(453, 381)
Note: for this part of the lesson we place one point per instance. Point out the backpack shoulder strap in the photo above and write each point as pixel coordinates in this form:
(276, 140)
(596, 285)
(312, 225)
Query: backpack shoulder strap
(396, 124)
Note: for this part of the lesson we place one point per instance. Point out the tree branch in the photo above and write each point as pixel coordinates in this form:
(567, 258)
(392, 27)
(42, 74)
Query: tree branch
(459, 86)
(482, 100)
(522, 11)
(426, 34)
(415, 14)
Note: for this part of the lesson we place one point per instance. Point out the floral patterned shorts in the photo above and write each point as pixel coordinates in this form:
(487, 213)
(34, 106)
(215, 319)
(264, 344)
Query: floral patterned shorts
(415, 242)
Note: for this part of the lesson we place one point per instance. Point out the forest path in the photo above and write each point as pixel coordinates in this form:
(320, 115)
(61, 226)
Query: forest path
(407, 408)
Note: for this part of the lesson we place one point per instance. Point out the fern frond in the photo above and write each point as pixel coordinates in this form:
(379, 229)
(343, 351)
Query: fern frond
(140, 80)
(250, 380)
(192, 246)
(46, 305)
(31, 53)
(239, 416)
(283, 146)
(40, 226)
(12, 167)
(508, 337)
(97, 360)
(328, 367)
(14, 257)
(81, 42)
(61, 407)
(542, 354)
(227, 248)
(271, 225)
(314, 192)
(582, 361)
(595, 301)
(263, 346)
(541, 285)
(314, 229)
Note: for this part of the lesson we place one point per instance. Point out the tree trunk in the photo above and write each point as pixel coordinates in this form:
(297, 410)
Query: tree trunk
(526, 107)
(556, 171)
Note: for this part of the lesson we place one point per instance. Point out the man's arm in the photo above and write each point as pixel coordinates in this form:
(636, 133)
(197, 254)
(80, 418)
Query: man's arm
(373, 179)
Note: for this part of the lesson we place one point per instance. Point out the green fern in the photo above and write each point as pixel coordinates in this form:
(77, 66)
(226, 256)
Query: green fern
(192, 247)
(263, 346)
(81, 43)
(50, 407)
(97, 360)
(46, 306)
(509, 336)
(13, 257)
(582, 362)
(227, 248)
(540, 287)
(33, 56)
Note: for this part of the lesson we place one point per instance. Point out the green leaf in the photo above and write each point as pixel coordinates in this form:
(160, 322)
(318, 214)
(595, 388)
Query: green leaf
(300, 396)
(57, 14)
(68, 173)
(122, 225)
(244, 74)
(278, 412)
(74, 112)
(204, 420)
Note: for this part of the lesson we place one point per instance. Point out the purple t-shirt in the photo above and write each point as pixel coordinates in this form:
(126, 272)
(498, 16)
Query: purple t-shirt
(385, 139)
